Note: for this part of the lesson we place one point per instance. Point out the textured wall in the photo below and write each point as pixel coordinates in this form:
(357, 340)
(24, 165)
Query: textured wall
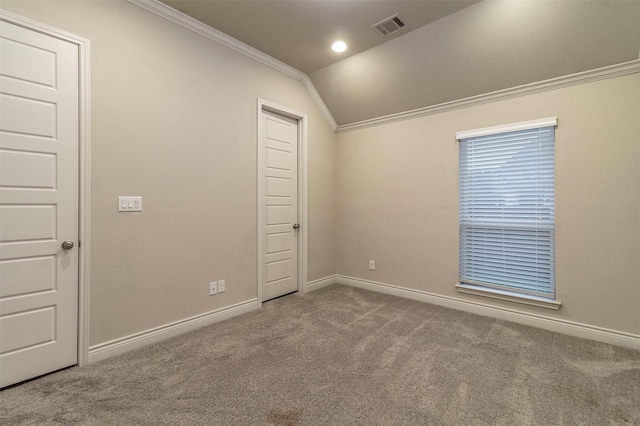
(174, 120)
(397, 200)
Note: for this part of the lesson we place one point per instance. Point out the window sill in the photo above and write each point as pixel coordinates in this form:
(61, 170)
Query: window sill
(540, 302)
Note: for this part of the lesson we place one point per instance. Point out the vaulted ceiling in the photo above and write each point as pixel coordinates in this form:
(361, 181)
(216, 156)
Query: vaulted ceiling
(299, 33)
(449, 50)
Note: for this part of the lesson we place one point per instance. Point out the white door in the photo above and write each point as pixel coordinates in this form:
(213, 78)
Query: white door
(38, 203)
(279, 177)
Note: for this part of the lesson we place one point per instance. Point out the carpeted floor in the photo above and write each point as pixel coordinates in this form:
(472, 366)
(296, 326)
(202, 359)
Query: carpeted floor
(344, 356)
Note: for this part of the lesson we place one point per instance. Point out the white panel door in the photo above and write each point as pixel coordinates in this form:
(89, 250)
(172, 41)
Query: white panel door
(38, 203)
(279, 177)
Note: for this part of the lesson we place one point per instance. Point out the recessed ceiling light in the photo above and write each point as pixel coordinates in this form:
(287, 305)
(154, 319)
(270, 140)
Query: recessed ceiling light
(339, 46)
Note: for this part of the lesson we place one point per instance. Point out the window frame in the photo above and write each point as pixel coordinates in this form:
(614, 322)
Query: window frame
(498, 291)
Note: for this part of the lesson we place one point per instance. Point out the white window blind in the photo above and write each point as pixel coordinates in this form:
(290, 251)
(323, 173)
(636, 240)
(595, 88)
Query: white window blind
(507, 204)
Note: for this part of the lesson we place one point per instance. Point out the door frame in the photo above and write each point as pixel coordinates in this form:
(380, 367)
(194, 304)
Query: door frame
(303, 233)
(84, 169)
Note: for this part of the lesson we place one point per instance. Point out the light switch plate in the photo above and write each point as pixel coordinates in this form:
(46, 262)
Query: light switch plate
(129, 204)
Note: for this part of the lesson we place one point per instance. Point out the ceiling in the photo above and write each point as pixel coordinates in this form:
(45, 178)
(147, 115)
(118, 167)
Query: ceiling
(452, 49)
(300, 32)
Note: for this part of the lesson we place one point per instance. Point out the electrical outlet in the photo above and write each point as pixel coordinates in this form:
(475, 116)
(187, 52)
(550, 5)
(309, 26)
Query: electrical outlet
(221, 286)
(213, 288)
(372, 265)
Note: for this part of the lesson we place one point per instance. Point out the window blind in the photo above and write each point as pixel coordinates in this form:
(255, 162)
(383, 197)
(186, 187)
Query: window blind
(507, 211)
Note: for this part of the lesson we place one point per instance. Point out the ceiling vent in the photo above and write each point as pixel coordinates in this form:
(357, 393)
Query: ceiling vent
(389, 25)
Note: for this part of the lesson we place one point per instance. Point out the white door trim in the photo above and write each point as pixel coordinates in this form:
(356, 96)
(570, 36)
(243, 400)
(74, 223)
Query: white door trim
(302, 191)
(84, 197)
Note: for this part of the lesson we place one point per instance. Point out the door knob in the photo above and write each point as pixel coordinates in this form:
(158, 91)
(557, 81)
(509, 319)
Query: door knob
(67, 245)
(296, 225)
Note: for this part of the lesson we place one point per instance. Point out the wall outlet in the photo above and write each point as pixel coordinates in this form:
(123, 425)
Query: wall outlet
(372, 265)
(221, 286)
(213, 288)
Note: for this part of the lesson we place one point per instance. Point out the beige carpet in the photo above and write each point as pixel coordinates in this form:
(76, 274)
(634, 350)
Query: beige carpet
(343, 356)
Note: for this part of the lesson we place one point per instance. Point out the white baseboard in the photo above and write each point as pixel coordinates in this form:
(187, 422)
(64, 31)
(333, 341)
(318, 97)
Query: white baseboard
(570, 328)
(321, 283)
(143, 338)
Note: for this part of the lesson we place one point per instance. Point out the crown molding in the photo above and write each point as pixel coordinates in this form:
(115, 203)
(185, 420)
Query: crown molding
(611, 71)
(171, 14)
(306, 81)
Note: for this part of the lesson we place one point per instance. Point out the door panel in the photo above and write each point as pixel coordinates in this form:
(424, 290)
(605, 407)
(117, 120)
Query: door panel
(27, 169)
(279, 205)
(38, 203)
(22, 223)
(278, 187)
(24, 276)
(278, 242)
(279, 270)
(28, 63)
(27, 116)
(277, 159)
(39, 322)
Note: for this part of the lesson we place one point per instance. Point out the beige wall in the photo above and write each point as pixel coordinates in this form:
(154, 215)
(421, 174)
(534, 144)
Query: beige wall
(397, 200)
(174, 120)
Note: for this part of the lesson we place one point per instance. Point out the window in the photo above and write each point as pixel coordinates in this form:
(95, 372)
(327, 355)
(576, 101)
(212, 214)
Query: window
(507, 210)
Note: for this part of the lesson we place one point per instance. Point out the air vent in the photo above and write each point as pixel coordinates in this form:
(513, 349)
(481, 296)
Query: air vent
(389, 25)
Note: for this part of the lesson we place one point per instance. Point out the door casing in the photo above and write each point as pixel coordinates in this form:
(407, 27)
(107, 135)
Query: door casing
(84, 169)
(302, 192)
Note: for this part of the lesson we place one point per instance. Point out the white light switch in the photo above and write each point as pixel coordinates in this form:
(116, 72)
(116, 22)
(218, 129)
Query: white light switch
(129, 204)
